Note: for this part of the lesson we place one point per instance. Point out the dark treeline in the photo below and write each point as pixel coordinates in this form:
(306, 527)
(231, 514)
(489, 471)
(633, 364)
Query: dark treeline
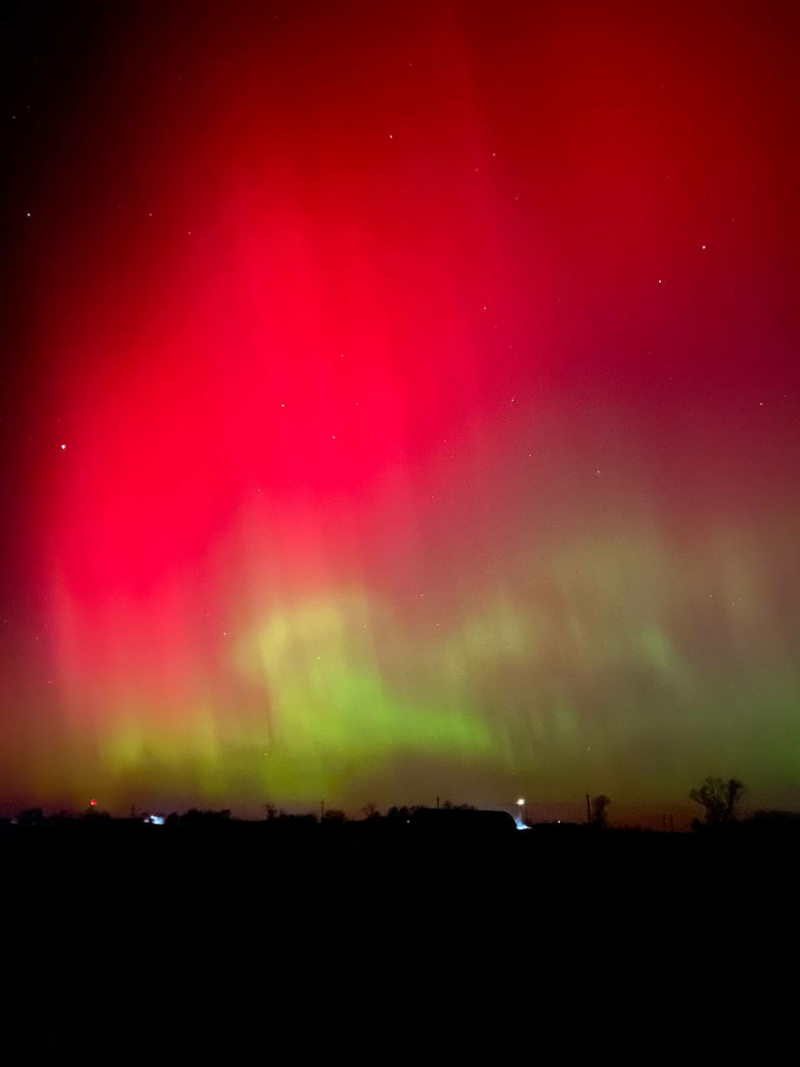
(719, 800)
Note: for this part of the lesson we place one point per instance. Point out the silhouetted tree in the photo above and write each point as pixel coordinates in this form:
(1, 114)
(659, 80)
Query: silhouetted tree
(334, 815)
(720, 799)
(195, 817)
(370, 811)
(95, 815)
(287, 819)
(30, 817)
(398, 813)
(271, 812)
(600, 810)
(776, 818)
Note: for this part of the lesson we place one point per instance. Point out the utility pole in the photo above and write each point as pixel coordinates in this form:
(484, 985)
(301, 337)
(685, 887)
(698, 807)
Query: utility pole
(437, 803)
(588, 808)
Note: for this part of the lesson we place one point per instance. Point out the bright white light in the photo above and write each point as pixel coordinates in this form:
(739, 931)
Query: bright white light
(521, 801)
(63, 447)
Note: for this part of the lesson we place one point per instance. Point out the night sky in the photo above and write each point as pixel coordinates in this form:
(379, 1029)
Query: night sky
(399, 399)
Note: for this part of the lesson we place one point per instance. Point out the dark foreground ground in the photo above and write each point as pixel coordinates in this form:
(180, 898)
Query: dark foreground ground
(241, 946)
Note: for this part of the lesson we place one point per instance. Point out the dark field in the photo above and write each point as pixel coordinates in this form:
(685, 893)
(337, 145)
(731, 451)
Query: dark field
(234, 939)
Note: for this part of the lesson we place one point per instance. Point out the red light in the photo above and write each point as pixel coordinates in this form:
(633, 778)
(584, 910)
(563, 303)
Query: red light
(92, 803)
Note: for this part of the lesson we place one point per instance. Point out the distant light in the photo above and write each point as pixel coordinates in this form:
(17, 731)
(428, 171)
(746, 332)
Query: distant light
(521, 801)
(92, 803)
(63, 447)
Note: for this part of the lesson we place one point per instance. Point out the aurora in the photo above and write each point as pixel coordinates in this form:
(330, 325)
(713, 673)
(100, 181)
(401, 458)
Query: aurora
(401, 400)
